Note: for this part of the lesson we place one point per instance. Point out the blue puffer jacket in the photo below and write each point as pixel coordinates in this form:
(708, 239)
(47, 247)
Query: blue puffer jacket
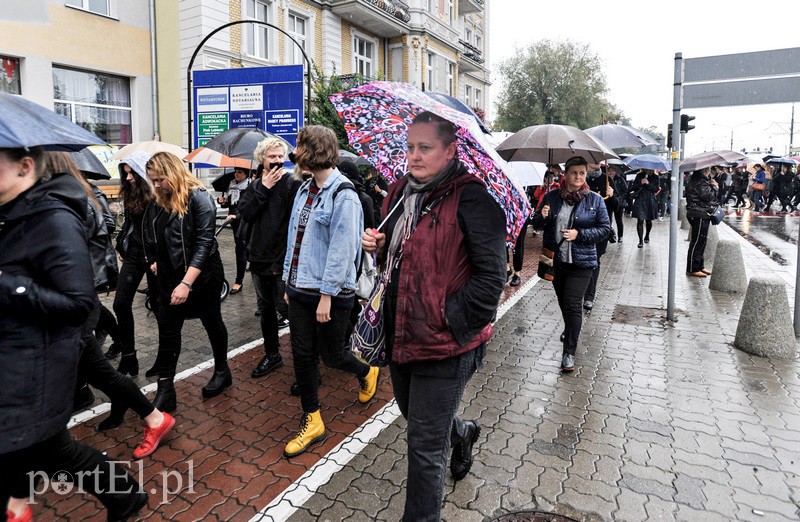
(591, 221)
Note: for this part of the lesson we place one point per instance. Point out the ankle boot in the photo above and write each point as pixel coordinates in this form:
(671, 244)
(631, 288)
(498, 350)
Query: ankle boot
(157, 366)
(219, 381)
(312, 430)
(115, 417)
(165, 399)
(129, 364)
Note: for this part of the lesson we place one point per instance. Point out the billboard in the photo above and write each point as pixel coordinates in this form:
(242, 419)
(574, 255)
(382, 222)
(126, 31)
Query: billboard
(269, 98)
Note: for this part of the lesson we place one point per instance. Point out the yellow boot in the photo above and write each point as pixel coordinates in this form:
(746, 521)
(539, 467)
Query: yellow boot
(311, 430)
(369, 385)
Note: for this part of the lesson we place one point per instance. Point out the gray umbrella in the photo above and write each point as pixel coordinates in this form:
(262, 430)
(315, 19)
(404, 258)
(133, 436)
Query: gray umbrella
(89, 165)
(358, 160)
(241, 142)
(553, 144)
(621, 136)
(709, 159)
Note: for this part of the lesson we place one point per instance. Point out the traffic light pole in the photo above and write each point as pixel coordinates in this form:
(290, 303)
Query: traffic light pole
(676, 184)
(683, 153)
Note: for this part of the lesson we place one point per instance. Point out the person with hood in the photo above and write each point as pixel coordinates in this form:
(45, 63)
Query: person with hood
(701, 201)
(266, 206)
(444, 249)
(600, 183)
(349, 168)
(377, 187)
(645, 207)
(233, 193)
(621, 192)
(574, 220)
(47, 293)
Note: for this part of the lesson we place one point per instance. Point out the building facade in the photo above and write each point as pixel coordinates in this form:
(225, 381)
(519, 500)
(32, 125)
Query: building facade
(436, 45)
(89, 60)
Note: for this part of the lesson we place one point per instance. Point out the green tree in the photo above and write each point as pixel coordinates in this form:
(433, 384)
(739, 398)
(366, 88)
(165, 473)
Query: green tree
(322, 110)
(553, 82)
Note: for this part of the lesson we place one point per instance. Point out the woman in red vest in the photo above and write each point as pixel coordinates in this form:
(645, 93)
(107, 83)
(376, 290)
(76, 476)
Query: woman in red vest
(445, 248)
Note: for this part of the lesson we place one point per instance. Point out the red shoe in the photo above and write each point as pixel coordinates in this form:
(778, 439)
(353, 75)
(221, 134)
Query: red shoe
(153, 436)
(27, 516)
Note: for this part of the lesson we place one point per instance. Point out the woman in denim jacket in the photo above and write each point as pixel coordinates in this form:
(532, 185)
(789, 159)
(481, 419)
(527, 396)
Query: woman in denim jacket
(323, 250)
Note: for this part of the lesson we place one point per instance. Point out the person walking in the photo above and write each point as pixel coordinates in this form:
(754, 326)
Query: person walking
(574, 220)
(543, 189)
(47, 293)
(320, 274)
(377, 187)
(444, 249)
(740, 182)
(701, 201)
(600, 183)
(759, 184)
(267, 205)
(645, 207)
(239, 183)
(188, 269)
(621, 187)
(663, 195)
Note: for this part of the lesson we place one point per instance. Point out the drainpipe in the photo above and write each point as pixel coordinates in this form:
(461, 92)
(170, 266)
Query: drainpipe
(153, 77)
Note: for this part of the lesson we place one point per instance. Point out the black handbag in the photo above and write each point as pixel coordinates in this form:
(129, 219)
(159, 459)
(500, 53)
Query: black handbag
(546, 258)
(717, 216)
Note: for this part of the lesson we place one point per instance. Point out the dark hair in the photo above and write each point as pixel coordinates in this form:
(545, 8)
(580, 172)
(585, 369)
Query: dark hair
(349, 169)
(135, 196)
(575, 161)
(317, 148)
(35, 153)
(445, 130)
(61, 163)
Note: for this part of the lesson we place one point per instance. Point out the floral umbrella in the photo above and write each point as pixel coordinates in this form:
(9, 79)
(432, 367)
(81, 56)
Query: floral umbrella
(376, 117)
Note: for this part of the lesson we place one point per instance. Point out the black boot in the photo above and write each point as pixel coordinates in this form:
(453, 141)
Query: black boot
(114, 350)
(219, 381)
(83, 398)
(461, 459)
(138, 500)
(115, 417)
(157, 366)
(165, 399)
(129, 364)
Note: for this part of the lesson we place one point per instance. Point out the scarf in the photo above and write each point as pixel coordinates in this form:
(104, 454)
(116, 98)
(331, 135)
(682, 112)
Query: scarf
(574, 197)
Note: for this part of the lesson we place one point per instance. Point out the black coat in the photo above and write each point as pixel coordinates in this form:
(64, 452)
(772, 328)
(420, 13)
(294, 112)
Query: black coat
(268, 211)
(127, 229)
(101, 249)
(701, 197)
(46, 294)
(645, 206)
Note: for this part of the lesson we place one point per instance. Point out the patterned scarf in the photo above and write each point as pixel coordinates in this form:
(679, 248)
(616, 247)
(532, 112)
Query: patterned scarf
(574, 197)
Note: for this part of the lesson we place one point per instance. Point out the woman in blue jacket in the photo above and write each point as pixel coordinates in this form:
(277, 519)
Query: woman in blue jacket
(574, 219)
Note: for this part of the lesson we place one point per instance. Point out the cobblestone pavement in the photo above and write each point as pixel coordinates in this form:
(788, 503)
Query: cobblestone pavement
(666, 422)
(657, 422)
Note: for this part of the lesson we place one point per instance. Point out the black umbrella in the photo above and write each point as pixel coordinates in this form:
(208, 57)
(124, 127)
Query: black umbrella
(89, 165)
(222, 183)
(241, 142)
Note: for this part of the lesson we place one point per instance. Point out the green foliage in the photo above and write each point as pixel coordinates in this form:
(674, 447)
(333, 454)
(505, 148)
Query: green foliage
(322, 110)
(553, 82)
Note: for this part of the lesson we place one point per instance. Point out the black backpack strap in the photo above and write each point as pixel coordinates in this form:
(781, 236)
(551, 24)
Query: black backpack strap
(344, 186)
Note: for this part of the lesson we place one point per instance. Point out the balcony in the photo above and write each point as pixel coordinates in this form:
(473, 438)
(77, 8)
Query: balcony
(469, 6)
(471, 58)
(350, 81)
(388, 18)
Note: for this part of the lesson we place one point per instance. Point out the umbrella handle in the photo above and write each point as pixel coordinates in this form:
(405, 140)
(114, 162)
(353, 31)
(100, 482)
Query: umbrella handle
(399, 200)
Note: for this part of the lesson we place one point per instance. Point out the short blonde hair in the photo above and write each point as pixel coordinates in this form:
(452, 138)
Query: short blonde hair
(266, 144)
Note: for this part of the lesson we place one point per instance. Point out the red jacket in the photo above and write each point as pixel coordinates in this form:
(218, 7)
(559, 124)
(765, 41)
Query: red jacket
(541, 192)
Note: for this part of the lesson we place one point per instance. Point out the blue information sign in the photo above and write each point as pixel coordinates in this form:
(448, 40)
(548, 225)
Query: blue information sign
(269, 98)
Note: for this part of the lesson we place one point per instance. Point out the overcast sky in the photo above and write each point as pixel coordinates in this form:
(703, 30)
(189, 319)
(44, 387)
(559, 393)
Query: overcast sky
(637, 42)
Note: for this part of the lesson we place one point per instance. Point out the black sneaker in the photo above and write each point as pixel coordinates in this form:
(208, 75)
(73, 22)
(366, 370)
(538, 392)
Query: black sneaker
(515, 281)
(612, 237)
(267, 364)
(461, 459)
(283, 322)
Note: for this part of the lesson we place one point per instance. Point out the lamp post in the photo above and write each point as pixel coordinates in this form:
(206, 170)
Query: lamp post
(731, 127)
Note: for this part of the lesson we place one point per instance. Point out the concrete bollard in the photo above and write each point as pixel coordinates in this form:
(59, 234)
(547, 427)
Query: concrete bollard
(711, 243)
(765, 324)
(729, 274)
(685, 222)
(681, 209)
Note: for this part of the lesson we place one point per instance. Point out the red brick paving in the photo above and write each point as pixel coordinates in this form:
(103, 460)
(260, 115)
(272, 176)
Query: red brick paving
(235, 441)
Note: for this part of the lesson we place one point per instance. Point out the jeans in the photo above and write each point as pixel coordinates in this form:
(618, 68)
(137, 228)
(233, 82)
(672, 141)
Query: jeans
(241, 252)
(108, 480)
(280, 304)
(265, 286)
(311, 339)
(570, 283)
(130, 275)
(697, 245)
(662, 199)
(758, 195)
(428, 395)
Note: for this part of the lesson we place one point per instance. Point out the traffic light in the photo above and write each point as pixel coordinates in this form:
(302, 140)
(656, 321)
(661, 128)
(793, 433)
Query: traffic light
(685, 119)
(669, 136)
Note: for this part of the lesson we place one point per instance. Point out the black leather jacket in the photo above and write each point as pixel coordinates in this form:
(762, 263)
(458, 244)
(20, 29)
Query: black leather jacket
(101, 252)
(701, 197)
(126, 231)
(190, 239)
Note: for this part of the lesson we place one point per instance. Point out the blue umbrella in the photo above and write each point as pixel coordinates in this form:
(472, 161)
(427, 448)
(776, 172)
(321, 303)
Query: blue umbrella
(647, 161)
(27, 124)
(455, 103)
(783, 161)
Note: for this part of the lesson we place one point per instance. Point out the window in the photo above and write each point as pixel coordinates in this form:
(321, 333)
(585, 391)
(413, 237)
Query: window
(479, 43)
(100, 103)
(468, 94)
(257, 36)
(431, 67)
(451, 11)
(451, 75)
(9, 75)
(478, 99)
(431, 5)
(298, 29)
(95, 6)
(363, 56)
(468, 35)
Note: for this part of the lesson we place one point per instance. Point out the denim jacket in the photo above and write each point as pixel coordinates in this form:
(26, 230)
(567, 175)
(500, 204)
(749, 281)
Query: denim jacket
(331, 247)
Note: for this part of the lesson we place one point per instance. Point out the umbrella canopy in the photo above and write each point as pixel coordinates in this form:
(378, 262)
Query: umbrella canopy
(376, 117)
(222, 183)
(358, 160)
(553, 144)
(240, 142)
(455, 103)
(89, 165)
(150, 147)
(27, 124)
(621, 136)
(783, 161)
(647, 161)
(207, 156)
(528, 172)
(709, 159)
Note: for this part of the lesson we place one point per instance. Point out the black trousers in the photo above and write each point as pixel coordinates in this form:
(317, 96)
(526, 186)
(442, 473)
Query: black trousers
(108, 323)
(570, 283)
(519, 248)
(265, 286)
(591, 288)
(241, 252)
(107, 480)
(662, 200)
(130, 275)
(312, 340)
(697, 245)
(617, 214)
(739, 195)
(428, 395)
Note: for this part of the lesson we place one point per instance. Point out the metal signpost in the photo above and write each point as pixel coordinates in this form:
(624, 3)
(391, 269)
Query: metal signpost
(726, 81)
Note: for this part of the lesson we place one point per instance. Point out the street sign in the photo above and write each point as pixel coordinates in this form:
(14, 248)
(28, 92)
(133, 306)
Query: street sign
(748, 92)
(268, 98)
(744, 65)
